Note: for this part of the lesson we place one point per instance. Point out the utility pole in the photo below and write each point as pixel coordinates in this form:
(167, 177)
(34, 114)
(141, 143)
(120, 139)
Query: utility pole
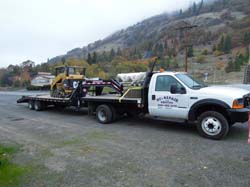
(184, 29)
(249, 54)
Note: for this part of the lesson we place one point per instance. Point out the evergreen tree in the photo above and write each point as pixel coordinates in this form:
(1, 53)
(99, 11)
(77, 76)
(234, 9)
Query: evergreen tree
(246, 38)
(112, 54)
(221, 44)
(63, 60)
(227, 44)
(119, 53)
(161, 50)
(214, 48)
(194, 8)
(104, 56)
(230, 67)
(94, 58)
(89, 59)
(190, 52)
(181, 12)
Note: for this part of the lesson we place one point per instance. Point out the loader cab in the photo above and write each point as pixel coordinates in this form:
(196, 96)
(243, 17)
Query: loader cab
(60, 70)
(70, 70)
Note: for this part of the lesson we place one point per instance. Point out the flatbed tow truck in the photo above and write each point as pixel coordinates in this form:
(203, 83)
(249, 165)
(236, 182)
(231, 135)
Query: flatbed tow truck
(164, 95)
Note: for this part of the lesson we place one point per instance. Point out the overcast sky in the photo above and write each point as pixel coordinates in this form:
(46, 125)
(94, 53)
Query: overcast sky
(41, 29)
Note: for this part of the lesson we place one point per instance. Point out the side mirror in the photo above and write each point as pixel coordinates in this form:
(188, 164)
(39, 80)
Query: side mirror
(183, 90)
(173, 89)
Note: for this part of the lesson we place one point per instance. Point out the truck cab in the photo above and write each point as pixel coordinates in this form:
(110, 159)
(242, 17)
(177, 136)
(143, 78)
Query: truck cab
(177, 95)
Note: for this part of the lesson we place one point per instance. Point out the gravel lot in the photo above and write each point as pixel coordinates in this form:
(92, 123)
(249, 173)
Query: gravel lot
(69, 148)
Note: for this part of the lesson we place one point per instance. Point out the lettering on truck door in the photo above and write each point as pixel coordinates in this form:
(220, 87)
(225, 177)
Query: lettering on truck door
(164, 104)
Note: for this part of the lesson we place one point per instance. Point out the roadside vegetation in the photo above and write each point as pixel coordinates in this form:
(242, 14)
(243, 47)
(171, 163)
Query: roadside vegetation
(10, 173)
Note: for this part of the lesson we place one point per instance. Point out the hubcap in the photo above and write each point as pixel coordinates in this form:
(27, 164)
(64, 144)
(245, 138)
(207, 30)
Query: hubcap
(102, 115)
(211, 126)
(36, 106)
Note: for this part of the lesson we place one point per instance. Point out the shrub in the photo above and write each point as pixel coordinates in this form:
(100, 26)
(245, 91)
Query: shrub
(218, 53)
(201, 59)
(204, 52)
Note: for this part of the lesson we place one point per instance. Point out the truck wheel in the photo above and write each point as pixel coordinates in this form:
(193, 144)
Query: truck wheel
(31, 105)
(38, 106)
(104, 114)
(115, 114)
(212, 125)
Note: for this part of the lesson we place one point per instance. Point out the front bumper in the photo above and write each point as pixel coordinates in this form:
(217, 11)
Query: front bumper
(238, 115)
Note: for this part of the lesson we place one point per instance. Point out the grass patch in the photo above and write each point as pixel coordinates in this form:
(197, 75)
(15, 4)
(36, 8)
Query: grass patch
(98, 135)
(10, 173)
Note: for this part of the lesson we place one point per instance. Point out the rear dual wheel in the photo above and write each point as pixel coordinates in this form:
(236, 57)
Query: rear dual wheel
(106, 114)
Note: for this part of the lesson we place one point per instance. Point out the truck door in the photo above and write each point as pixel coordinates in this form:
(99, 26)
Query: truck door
(164, 104)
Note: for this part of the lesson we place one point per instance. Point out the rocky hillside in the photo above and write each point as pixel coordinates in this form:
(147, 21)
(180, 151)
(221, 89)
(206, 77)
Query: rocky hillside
(211, 17)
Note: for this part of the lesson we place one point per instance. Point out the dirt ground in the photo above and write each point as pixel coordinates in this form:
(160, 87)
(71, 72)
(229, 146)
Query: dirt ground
(69, 149)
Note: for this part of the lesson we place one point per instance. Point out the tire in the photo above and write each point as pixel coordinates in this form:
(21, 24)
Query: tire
(31, 105)
(115, 114)
(38, 106)
(104, 114)
(212, 125)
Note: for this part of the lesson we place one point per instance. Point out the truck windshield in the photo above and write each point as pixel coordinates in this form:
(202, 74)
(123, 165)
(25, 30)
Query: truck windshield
(190, 82)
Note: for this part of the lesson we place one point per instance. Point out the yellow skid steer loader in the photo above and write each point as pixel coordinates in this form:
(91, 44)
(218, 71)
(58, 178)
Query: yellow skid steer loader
(66, 80)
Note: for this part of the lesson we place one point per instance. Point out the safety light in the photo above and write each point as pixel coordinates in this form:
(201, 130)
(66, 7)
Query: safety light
(238, 103)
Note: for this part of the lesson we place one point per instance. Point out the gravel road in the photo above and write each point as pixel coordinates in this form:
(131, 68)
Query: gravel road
(68, 148)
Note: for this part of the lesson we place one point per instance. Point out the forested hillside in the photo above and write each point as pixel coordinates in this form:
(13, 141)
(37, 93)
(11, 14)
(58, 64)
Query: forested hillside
(218, 43)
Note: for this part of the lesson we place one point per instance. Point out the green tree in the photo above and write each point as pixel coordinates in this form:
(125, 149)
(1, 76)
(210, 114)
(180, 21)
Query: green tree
(214, 48)
(119, 52)
(221, 44)
(246, 38)
(94, 58)
(112, 54)
(63, 60)
(227, 44)
(190, 52)
(89, 59)
(181, 12)
(194, 8)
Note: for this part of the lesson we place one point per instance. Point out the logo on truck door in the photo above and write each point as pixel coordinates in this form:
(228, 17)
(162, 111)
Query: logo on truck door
(167, 102)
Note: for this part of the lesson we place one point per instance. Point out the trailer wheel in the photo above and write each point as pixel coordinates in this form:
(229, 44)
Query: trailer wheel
(31, 105)
(38, 105)
(104, 114)
(212, 125)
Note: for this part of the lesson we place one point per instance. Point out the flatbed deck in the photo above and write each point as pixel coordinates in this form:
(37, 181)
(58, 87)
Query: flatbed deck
(112, 99)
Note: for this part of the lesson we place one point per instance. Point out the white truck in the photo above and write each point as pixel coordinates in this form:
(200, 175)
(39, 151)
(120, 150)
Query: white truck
(166, 95)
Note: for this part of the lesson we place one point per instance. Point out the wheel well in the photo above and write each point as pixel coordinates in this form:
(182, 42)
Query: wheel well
(216, 108)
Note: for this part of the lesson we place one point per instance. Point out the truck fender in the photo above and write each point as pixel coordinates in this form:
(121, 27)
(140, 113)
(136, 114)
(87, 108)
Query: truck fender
(192, 115)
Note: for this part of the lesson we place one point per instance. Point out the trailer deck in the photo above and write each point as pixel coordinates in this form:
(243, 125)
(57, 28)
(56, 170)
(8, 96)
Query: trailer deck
(46, 98)
(100, 98)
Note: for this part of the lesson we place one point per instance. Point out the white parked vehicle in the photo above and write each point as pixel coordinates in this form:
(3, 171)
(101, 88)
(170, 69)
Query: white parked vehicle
(167, 95)
(214, 109)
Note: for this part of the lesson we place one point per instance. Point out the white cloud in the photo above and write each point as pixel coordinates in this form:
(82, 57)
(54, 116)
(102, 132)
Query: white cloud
(36, 30)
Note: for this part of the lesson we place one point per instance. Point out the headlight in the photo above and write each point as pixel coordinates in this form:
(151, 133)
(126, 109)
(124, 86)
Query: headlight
(238, 103)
